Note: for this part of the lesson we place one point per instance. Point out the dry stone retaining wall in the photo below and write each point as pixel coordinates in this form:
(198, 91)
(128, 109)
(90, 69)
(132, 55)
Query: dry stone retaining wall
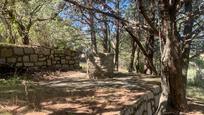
(100, 65)
(145, 105)
(38, 57)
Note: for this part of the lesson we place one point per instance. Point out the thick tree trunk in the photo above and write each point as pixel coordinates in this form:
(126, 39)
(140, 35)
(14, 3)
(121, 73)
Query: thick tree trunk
(173, 98)
(148, 61)
(132, 57)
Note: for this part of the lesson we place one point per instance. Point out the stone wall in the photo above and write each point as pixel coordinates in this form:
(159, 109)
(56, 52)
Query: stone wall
(38, 57)
(145, 105)
(100, 65)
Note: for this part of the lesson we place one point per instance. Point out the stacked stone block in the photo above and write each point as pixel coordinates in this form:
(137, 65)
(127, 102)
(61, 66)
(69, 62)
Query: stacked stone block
(38, 57)
(145, 105)
(100, 65)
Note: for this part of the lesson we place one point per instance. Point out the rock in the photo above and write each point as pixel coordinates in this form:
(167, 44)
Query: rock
(49, 62)
(63, 61)
(19, 64)
(101, 65)
(19, 59)
(65, 66)
(28, 50)
(38, 57)
(28, 64)
(58, 51)
(46, 51)
(18, 51)
(42, 58)
(57, 58)
(67, 52)
(26, 59)
(68, 57)
(71, 62)
(11, 60)
(43, 51)
(6, 52)
(2, 61)
(54, 62)
(58, 66)
(40, 63)
(33, 58)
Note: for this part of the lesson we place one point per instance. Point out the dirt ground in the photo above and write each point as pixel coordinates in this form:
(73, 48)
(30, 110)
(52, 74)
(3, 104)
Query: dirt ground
(72, 93)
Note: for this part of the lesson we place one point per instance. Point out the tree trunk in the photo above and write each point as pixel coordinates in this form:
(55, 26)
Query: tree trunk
(117, 36)
(137, 61)
(173, 99)
(25, 38)
(148, 61)
(187, 31)
(92, 28)
(105, 42)
(132, 57)
(117, 50)
(105, 31)
(24, 34)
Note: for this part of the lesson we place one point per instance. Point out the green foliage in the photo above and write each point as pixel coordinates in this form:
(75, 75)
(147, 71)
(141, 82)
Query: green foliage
(193, 77)
(199, 62)
(195, 85)
(57, 33)
(53, 33)
(12, 82)
(196, 93)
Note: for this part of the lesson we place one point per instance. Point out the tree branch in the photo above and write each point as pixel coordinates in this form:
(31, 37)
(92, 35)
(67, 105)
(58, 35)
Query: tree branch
(196, 55)
(148, 20)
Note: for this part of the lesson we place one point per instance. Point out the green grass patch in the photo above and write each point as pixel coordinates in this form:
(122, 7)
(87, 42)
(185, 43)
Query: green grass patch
(195, 86)
(196, 93)
(199, 62)
(13, 82)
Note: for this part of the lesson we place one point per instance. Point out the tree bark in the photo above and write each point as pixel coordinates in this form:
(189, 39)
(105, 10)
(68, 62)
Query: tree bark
(137, 61)
(26, 38)
(24, 33)
(92, 27)
(117, 36)
(105, 31)
(132, 57)
(173, 99)
(105, 41)
(148, 61)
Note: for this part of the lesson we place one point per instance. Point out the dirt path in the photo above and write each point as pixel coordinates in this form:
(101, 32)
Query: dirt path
(72, 93)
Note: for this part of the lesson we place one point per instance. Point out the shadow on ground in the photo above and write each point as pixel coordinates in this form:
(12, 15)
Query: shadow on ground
(75, 94)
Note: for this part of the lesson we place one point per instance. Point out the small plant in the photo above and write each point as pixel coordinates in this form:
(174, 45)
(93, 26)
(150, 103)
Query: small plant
(12, 81)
